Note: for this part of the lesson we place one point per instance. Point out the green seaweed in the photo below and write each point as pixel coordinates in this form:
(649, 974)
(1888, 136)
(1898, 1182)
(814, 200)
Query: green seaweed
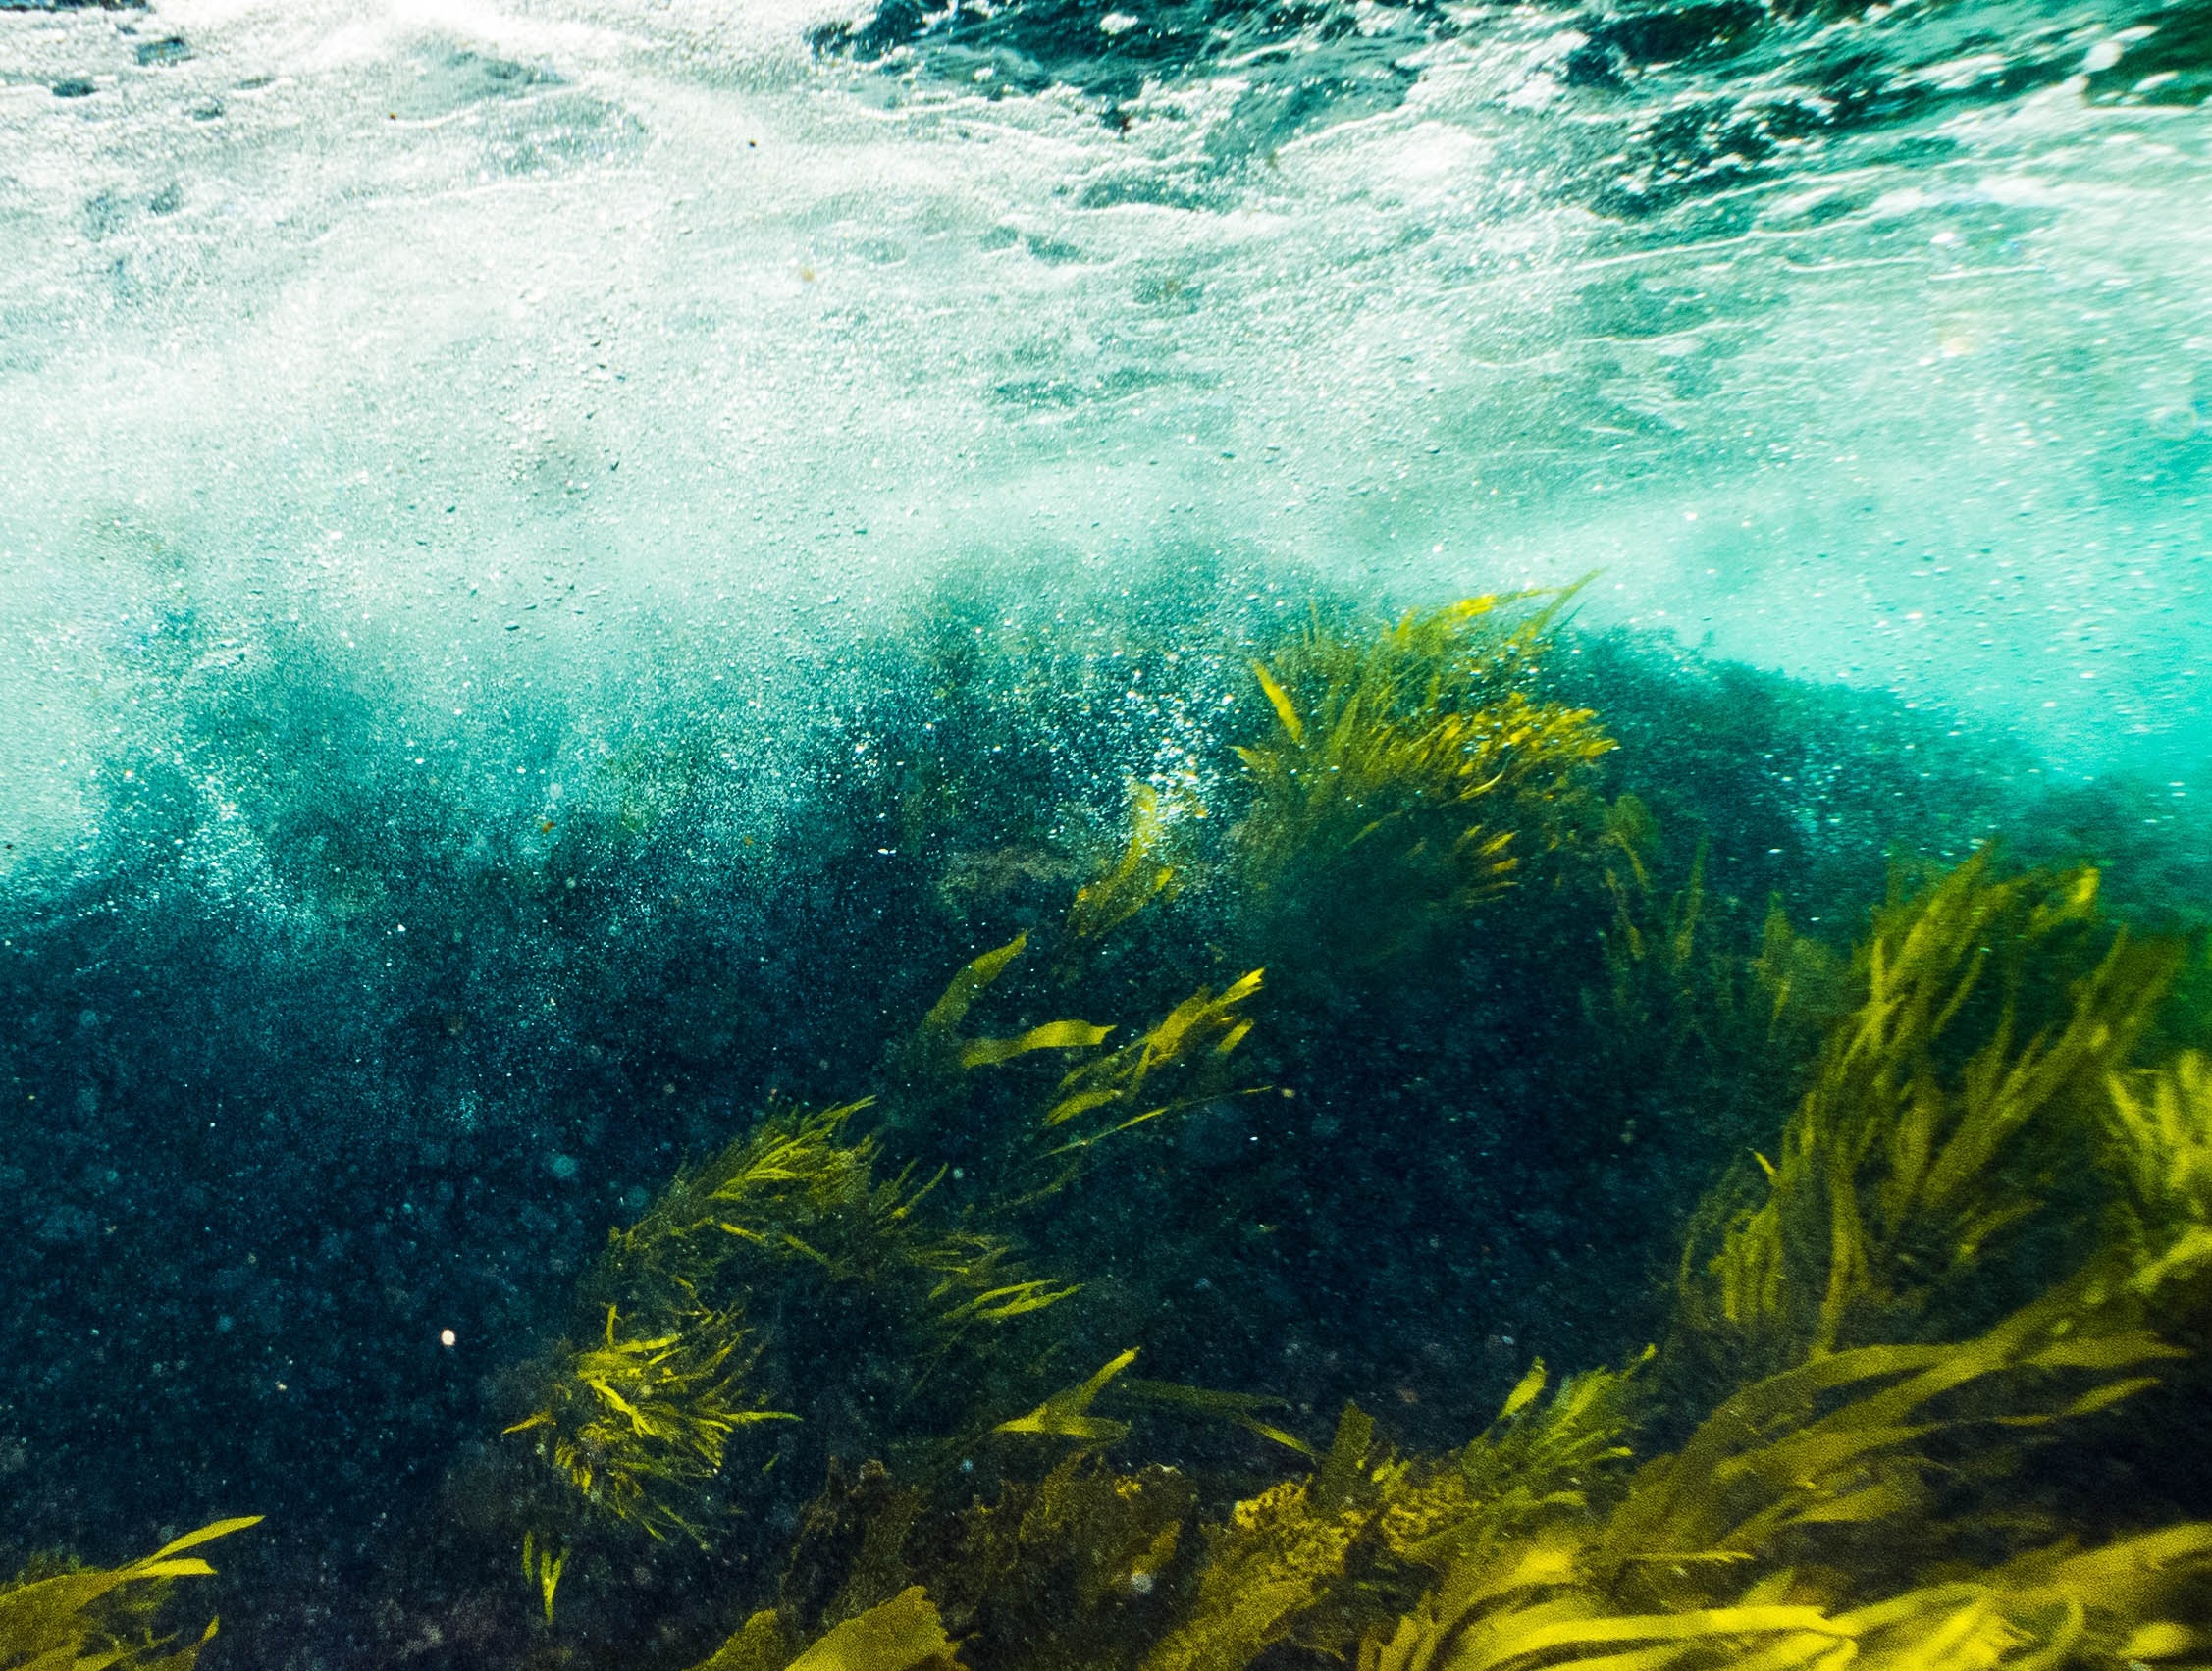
(1109, 1094)
(1933, 1131)
(1143, 873)
(1408, 772)
(1813, 1514)
(1985, 1227)
(95, 1618)
(640, 1417)
(1067, 1414)
(630, 1418)
(1693, 1011)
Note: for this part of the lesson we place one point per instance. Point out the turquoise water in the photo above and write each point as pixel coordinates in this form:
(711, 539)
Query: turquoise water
(563, 566)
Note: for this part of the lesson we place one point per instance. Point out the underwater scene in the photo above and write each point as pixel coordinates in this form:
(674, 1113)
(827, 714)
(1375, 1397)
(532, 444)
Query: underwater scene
(1106, 835)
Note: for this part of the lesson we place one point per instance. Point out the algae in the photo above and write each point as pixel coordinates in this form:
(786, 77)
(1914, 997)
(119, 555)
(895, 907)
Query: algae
(1409, 772)
(87, 1619)
(1984, 1231)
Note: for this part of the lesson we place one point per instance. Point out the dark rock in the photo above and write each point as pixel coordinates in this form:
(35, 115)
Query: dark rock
(75, 87)
(66, 1224)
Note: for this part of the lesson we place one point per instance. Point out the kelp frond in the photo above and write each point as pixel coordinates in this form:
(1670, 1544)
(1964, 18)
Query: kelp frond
(1932, 1127)
(1114, 1092)
(903, 1634)
(2159, 1144)
(939, 1041)
(630, 1417)
(1111, 1092)
(1068, 1414)
(71, 1621)
(1843, 1440)
(1414, 765)
(1819, 1514)
(1237, 1409)
(1320, 1561)
(1143, 873)
(543, 1562)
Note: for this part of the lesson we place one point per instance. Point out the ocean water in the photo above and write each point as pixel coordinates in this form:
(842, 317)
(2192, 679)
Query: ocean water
(564, 567)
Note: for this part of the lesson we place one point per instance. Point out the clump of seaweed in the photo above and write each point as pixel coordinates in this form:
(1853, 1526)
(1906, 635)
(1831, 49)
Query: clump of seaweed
(1870, 1494)
(629, 1419)
(97, 1618)
(1803, 1523)
(2159, 1140)
(1145, 871)
(801, 1190)
(1933, 1132)
(1681, 1003)
(1115, 1092)
(641, 1415)
(1985, 1226)
(1409, 772)
(1815, 1515)
(1326, 1561)
(803, 1216)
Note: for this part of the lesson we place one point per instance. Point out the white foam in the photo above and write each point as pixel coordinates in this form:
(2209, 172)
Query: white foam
(672, 312)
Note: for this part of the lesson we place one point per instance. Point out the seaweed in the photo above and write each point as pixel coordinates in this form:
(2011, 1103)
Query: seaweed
(1143, 874)
(1933, 1133)
(1067, 1414)
(79, 1619)
(1983, 1230)
(630, 1419)
(2158, 1145)
(799, 1190)
(1800, 1525)
(1679, 991)
(639, 1419)
(1074, 1569)
(1869, 1494)
(1106, 1096)
(541, 1568)
(1409, 771)
(1537, 1455)
(1278, 1556)
(1329, 1560)
(1804, 1519)
(903, 1634)
(938, 1039)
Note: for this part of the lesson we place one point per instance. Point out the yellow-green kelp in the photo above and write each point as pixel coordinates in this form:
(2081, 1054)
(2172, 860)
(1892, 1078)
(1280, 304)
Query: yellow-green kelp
(1409, 772)
(1866, 1487)
(1984, 1229)
(102, 1618)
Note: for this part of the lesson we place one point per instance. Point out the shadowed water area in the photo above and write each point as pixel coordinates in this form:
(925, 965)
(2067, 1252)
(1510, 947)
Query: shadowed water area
(1048, 837)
